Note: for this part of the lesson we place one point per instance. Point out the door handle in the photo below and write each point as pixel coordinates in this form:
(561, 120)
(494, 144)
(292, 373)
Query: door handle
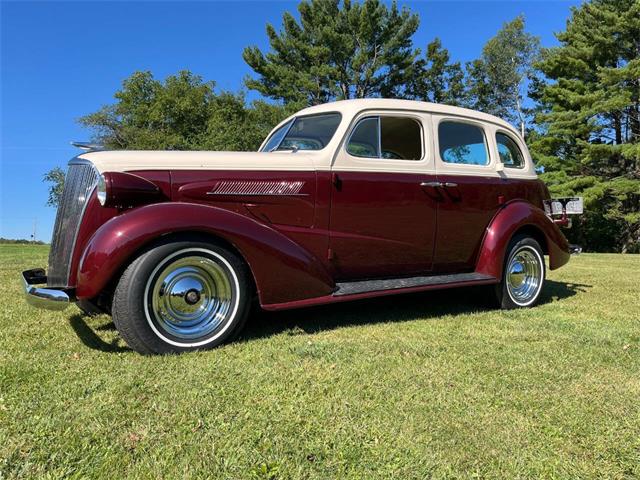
(439, 184)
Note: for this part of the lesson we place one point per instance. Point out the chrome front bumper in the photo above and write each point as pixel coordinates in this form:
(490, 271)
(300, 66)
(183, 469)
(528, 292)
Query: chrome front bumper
(49, 298)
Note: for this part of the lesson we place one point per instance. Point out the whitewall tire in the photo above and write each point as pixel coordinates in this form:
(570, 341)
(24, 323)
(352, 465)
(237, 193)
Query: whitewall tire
(181, 296)
(523, 274)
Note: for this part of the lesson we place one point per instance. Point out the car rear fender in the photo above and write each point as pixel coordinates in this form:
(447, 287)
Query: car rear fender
(520, 217)
(283, 271)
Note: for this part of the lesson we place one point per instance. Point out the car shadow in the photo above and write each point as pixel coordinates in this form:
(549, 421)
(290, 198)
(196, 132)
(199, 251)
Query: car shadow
(88, 336)
(393, 308)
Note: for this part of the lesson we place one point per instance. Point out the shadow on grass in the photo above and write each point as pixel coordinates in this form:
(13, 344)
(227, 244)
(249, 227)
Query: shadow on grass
(393, 308)
(107, 327)
(87, 335)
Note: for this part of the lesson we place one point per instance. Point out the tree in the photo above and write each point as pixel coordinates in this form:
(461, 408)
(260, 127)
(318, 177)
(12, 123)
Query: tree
(182, 113)
(338, 50)
(497, 81)
(436, 79)
(55, 178)
(589, 108)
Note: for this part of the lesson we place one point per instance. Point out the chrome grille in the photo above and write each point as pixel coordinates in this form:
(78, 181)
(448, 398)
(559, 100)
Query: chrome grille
(79, 184)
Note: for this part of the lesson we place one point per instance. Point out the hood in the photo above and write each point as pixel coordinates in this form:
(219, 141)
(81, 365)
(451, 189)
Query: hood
(136, 160)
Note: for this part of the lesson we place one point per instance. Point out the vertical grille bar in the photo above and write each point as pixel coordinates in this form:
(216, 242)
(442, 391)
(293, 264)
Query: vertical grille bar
(79, 183)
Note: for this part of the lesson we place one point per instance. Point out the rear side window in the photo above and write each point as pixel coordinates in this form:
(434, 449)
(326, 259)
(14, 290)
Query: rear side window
(509, 151)
(395, 138)
(462, 143)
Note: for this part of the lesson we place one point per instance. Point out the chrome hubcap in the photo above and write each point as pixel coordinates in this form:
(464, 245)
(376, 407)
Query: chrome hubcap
(524, 275)
(191, 297)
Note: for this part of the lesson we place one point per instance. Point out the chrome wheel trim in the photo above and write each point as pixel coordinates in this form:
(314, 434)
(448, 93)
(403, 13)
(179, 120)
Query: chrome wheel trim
(191, 296)
(524, 275)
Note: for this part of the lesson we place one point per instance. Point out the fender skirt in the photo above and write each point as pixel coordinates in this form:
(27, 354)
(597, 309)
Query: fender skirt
(283, 271)
(513, 217)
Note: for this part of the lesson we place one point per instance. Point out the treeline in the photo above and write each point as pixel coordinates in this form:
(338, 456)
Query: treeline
(578, 104)
(19, 241)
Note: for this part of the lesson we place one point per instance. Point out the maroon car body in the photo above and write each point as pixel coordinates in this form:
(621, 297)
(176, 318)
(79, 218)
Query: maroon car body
(357, 199)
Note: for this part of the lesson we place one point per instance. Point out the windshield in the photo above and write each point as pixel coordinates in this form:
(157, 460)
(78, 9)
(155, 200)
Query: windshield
(312, 132)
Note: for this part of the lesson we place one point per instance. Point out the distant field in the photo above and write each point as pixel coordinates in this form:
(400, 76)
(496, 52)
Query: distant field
(416, 386)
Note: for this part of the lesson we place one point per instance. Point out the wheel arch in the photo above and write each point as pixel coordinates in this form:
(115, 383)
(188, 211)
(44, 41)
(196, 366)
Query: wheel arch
(281, 269)
(177, 236)
(535, 232)
(520, 218)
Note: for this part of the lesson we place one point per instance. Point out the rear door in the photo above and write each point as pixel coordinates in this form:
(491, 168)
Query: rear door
(382, 220)
(471, 190)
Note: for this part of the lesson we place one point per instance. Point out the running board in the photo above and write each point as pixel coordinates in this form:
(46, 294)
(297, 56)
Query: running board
(354, 288)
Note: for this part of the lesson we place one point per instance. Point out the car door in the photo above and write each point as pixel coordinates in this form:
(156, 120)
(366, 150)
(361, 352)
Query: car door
(382, 219)
(471, 190)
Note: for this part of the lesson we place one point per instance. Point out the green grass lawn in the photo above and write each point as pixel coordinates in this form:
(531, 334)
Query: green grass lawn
(417, 386)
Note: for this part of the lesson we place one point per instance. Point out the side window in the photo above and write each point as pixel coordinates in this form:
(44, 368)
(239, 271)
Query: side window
(462, 143)
(397, 138)
(364, 141)
(509, 151)
(401, 138)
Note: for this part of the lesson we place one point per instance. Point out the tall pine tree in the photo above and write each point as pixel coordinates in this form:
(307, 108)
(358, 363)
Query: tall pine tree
(338, 50)
(590, 112)
(436, 78)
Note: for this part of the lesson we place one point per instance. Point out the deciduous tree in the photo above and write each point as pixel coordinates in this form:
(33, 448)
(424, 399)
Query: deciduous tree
(497, 80)
(55, 179)
(182, 112)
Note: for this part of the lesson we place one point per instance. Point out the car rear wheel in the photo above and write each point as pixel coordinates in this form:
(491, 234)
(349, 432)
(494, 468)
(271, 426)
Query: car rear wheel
(523, 274)
(182, 296)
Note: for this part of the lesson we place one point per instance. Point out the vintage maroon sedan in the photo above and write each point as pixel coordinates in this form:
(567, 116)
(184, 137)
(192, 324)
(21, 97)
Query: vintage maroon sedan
(344, 201)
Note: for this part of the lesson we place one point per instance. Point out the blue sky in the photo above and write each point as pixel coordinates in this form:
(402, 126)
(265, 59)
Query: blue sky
(62, 60)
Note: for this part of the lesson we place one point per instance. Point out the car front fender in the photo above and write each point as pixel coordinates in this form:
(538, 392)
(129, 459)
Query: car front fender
(515, 217)
(283, 271)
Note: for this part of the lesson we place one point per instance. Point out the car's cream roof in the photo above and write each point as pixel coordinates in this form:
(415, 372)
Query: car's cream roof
(357, 105)
(128, 160)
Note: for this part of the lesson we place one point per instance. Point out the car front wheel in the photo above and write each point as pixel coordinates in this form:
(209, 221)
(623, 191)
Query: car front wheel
(523, 274)
(182, 296)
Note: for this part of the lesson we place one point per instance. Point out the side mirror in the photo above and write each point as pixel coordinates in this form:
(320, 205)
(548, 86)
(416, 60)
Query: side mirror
(499, 167)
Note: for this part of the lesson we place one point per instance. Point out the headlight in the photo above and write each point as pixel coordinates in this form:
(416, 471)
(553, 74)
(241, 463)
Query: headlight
(102, 190)
(125, 190)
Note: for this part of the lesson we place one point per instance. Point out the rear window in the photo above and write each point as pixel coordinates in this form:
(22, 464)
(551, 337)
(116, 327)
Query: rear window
(462, 143)
(510, 154)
